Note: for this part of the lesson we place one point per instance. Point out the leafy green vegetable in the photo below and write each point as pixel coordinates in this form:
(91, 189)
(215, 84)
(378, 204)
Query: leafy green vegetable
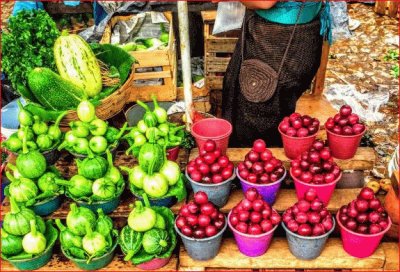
(28, 44)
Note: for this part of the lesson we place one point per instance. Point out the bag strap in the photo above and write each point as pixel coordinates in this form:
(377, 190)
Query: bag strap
(289, 43)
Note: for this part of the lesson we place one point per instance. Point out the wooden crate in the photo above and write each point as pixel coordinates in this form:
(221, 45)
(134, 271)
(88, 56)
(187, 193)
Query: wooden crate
(164, 60)
(390, 8)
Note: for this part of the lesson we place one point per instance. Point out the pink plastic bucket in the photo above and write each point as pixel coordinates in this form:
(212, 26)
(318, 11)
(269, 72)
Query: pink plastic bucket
(154, 264)
(295, 146)
(360, 245)
(252, 245)
(324, 191)
(215, 129)
(172, 153)
(267, 191)
(344, 147)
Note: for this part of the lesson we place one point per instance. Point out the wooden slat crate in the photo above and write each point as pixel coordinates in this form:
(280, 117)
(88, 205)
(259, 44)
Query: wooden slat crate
(390, 8)
(164, 59)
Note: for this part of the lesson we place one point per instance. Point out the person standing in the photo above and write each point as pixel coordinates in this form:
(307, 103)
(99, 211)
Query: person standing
(274, 62)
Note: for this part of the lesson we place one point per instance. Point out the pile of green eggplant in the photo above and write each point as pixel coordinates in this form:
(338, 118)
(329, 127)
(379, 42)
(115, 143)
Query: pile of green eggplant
(32, 181)
(166, 133)
(25, 235)
(86, 235)
(90, 134)
(149, 234)
(39, 134)
(155, 175)
(148, 44)
(97, 180)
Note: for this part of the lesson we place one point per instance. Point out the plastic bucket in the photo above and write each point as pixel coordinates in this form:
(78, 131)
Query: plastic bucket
(252, 245)
(267, 191)
(95, 263)
(215, 129)
(47, 206)
(306, 247)
(295, 146)
(107, 206)
(172, 153)
(360, 245)
(154, 264)
(34, 263)
(344, 147)
(202, 249)
(324, 191)
(217, 193)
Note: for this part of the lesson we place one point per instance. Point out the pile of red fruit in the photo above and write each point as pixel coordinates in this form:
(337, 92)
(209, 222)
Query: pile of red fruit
(253, 215)
(345, 122)
(315, 166)
(297, 125)
(210, 166)
(200, 218)
(260, 166)
(365, 215)
(308, 217)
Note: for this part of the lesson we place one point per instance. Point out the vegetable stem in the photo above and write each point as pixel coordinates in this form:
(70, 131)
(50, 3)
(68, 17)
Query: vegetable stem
(125, 169)
(33, 227)
(24, 144)
(10, 177)
(109, 158)
(60, 225)
(143, 105)
(60, 117)
(146, 200)
(14, 206)
(138, 206)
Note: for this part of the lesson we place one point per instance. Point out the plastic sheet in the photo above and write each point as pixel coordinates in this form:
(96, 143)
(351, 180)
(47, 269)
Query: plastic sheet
(340, 20)
(366, 105)
(229, 17)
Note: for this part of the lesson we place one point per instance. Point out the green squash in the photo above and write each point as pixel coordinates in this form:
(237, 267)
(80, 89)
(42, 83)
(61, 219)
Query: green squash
(130, 242)
(78, 218)
(104, 189)
(67, 238)
(104, 224)
(17, 221)
(22, 189)
(92, 168)
(11, 245)
(151, 156)
(155, 241)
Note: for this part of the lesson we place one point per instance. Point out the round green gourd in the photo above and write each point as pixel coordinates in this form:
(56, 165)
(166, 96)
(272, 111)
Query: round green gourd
(11, 245)
(92, 168)
(78, 218)
(155, 241)
(16, 222)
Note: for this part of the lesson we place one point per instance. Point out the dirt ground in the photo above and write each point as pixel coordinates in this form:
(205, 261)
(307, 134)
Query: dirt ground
(359, 61)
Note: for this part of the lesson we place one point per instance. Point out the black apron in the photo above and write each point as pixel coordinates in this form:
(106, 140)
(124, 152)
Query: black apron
(267, 42)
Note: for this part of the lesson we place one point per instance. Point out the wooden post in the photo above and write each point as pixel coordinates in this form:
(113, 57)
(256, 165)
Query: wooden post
(319, 80)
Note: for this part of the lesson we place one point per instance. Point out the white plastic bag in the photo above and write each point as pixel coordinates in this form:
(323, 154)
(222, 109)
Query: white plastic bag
(340, 20)
(229, 17)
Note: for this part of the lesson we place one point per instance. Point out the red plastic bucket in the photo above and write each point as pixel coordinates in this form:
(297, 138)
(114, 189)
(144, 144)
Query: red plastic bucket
(215, 129)
(344, 147)
(360, 245)
(252, 245)
(324, 191)
(295, 146)
(172, 153)
(154, 264)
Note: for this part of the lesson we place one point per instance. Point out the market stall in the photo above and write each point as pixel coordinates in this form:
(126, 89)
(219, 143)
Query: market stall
(105, 171)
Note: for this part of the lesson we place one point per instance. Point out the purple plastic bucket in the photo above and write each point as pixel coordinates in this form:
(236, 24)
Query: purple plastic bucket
(267, 191)
(252, 245)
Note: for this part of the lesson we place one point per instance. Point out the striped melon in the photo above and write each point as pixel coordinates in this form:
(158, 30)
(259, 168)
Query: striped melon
(77, 63)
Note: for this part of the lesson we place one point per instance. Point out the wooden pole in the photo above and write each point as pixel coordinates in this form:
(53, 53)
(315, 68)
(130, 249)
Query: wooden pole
(186, 59)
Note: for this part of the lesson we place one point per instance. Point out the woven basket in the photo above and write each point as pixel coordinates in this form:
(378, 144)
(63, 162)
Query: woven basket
(109, 106)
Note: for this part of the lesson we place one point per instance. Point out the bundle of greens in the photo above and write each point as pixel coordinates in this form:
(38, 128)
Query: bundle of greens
(28, 43)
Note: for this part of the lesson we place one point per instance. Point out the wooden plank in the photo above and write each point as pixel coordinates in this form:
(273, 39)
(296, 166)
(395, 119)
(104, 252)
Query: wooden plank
(279, 257)
(319, 80)
(221, 45)
(287, 197)
(392, 256)
(60, 263)
(217, 64)
(151, 58)
(363, 160)
(393, 9)
(153, 75)
(380, 7)
(214, 82)
(209, 16)
(315, 106)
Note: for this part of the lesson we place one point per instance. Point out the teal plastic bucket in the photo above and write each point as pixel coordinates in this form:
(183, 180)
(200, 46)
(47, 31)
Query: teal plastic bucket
(34, 263)
(48, 206)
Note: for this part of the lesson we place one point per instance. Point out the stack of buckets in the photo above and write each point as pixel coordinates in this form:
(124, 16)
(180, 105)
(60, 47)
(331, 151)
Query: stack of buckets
(220, 130)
